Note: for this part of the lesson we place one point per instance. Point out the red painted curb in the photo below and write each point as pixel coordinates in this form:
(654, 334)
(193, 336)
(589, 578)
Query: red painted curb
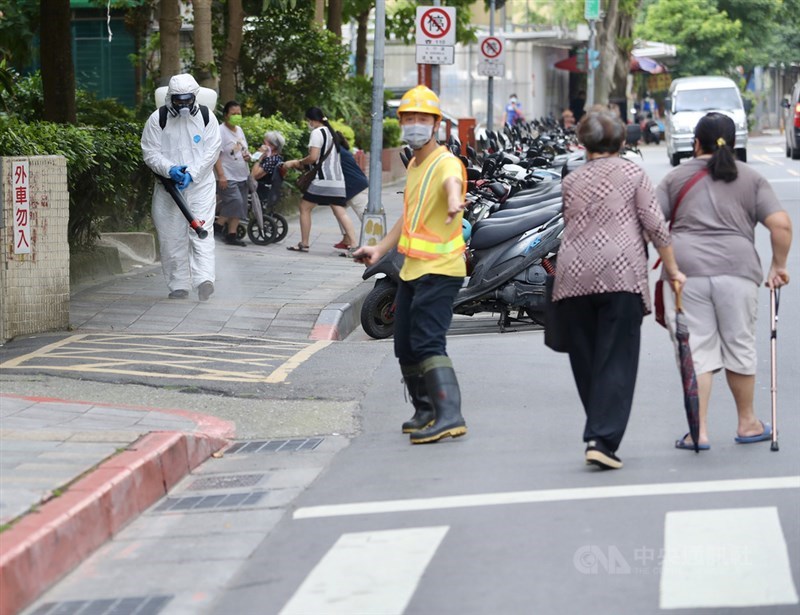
(44, 545)
(206, 424)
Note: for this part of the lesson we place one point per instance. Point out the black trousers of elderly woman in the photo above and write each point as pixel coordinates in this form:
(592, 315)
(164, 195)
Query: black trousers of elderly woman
(605, 331)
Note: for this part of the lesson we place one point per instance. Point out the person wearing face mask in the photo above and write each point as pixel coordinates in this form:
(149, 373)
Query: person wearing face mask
(181, 141)
(513, 112)
(232, 172)
(429, 234)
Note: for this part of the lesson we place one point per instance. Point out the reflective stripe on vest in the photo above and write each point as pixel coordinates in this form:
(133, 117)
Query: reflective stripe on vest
(426, 246)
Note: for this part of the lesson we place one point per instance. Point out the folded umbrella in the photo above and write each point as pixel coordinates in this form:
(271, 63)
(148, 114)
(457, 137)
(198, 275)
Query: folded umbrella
(691, 400)
(774, 300)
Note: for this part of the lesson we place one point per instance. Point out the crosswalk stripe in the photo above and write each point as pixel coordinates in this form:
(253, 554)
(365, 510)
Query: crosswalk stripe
(725, 558)
(547, 495)
(368, 572)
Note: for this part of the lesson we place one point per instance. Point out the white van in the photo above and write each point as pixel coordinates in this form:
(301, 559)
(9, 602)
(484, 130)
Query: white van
(690, 98)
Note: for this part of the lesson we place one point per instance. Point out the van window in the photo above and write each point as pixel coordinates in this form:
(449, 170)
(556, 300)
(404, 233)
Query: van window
(724, 99)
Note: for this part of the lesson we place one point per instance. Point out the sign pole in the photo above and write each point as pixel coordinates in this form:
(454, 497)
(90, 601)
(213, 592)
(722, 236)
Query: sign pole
(373, 225)
(490, 96)
(435, 83)
(590, 66)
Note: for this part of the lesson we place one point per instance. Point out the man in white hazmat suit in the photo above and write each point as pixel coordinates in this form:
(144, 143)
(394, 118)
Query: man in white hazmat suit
(183, 144)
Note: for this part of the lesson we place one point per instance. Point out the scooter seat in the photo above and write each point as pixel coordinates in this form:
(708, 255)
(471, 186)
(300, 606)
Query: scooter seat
(527, 199)
(530, 209)
(492, 231)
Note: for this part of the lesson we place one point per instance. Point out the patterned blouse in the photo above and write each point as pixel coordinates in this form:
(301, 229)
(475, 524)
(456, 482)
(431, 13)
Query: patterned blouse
(608, 203)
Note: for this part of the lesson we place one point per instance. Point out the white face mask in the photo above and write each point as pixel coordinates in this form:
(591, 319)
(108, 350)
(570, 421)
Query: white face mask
(184, 111)
(417, 135)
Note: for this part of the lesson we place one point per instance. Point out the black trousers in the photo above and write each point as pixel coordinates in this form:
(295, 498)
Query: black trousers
(605, 333)
(423, 313)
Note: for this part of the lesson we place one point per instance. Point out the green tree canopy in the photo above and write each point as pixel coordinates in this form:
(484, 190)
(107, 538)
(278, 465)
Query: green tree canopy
(707, 40)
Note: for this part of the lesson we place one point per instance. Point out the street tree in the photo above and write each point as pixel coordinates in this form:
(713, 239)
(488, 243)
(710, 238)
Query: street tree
(169, 26)
(708, 42)
(204, 66)
(58, 71)
(360, 11)
(230, 54)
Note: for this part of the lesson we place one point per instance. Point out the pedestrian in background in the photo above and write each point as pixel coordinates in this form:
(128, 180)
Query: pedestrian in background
(714, 240)
(328, 187)
(601, 283)
(429, 235)
(512, 114)
(232, 170)
(356, 189)
(184, 149)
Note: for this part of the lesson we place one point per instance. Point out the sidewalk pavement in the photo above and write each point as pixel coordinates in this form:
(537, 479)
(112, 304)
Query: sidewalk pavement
(73, 473)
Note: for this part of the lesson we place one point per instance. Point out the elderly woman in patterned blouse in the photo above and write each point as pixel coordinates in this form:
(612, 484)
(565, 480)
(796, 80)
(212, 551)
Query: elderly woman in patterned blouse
(601, 279)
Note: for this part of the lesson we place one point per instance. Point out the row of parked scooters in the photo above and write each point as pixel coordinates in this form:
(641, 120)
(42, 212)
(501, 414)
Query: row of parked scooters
(513, 226)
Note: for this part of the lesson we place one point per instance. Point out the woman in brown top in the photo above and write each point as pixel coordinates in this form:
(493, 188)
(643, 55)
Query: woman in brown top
(601, 279)
(714, 238)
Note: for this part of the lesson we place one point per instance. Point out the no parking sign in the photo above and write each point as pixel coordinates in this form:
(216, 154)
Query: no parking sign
(436, 34)
(491, 60)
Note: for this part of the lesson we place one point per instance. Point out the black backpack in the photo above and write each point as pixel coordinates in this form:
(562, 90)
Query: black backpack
(162, 115)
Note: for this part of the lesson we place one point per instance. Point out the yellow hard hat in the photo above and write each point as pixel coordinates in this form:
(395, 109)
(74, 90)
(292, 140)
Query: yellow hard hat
(420, 99)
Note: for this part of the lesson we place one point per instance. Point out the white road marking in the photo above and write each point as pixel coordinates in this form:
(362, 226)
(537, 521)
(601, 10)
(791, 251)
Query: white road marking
(783, 181)
(725, 558)
(547, 495)
(774, 150)
(368, 572)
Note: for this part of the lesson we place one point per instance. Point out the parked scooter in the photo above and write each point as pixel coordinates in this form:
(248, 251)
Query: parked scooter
(508, 260)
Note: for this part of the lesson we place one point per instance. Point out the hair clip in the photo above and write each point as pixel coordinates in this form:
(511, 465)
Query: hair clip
(720, 142)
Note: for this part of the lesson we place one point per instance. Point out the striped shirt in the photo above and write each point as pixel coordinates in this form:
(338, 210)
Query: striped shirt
(608, 204)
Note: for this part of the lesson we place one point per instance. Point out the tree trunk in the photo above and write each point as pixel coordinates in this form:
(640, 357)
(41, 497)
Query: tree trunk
(335, 18)
(169, 24)
(230, 56)
(615, 41)
(58, 72)
(361, 43)
(205, 69)
(319, 11)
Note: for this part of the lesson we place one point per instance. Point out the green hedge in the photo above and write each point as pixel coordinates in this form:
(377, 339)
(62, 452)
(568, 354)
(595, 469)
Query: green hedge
(106, 176)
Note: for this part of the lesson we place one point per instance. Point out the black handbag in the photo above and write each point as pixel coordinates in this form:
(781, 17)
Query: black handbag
(556, 331)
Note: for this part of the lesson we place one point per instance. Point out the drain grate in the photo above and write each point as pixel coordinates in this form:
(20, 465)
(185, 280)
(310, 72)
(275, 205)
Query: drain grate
(204, 502)
(274, 446)
(225, 482)
(138, 605)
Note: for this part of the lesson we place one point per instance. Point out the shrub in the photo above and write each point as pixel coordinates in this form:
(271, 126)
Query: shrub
(106, 176)
(254, 126)
(391, 132)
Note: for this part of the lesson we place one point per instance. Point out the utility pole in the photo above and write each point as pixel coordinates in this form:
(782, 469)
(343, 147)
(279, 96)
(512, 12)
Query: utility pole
(490, 97)
(373, 226)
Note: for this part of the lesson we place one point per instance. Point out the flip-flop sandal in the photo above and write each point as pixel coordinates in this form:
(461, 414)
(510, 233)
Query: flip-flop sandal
(685, 445)
(341, 245)
(765, 435)
(298, 248)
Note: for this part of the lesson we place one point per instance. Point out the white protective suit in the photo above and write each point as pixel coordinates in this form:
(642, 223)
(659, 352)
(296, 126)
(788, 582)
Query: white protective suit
(186, 259)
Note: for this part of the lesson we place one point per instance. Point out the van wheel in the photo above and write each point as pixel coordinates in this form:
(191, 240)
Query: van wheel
(788, 151)
(796, 153)
(675, 160)
(741, 154)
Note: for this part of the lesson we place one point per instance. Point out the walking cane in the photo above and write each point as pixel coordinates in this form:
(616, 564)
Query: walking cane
(774, 300)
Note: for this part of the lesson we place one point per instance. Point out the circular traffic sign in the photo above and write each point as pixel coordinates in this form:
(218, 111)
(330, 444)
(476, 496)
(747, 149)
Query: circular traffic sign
(435, 23)
(491, 47)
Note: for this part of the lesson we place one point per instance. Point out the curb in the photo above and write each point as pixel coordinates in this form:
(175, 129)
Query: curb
(44, 545)
(338, 320)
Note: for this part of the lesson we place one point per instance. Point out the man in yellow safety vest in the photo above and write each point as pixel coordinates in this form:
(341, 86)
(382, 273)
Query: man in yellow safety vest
(429, 235)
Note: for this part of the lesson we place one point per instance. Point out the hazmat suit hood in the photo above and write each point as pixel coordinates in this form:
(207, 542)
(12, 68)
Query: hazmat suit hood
(182, 84)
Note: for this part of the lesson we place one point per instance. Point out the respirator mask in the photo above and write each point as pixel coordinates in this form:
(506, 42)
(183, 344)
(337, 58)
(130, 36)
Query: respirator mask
(417, 135)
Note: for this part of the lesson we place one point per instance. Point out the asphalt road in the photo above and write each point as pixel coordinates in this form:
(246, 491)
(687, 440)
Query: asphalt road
(505, 520)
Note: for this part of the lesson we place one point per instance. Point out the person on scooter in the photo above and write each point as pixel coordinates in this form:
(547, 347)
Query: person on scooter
(429, 234)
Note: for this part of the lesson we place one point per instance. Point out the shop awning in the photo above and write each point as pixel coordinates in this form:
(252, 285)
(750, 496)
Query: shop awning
(643, 64)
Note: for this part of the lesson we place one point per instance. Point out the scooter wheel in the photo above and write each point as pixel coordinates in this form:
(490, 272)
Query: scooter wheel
(377, 312)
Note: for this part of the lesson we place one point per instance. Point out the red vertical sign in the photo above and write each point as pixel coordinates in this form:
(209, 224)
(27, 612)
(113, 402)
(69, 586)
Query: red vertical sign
(21, 202)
